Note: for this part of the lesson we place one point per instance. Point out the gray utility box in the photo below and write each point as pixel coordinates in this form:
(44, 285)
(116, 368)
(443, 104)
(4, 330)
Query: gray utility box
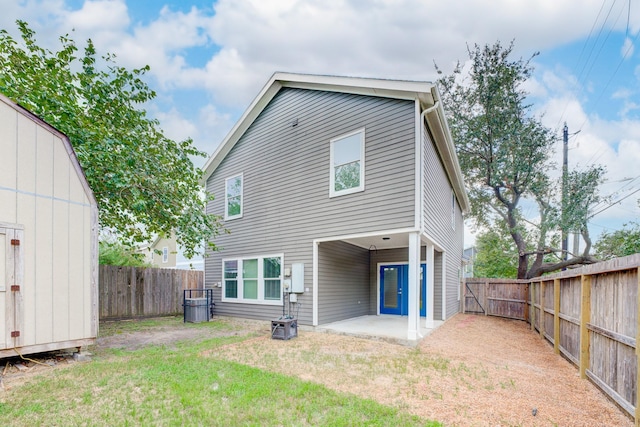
(196, 310)
(284, 329)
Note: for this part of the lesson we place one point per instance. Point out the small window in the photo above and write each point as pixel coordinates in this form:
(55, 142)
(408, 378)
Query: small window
(347, 164)
(165, 255)
(233, 197)
(272, 281)
(250, 278)
(231, 279)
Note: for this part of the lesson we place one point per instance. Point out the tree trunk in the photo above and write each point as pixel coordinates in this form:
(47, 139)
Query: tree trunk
(550, 267)
(521, 245)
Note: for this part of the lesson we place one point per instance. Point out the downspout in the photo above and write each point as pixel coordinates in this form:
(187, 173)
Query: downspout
(421, 168)
(429, 255)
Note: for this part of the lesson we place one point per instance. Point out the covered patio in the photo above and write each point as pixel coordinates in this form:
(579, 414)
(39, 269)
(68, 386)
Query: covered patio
(416, 279)
(383, 327)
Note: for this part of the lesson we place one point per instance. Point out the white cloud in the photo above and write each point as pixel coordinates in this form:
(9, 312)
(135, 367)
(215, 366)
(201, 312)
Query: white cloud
(99, 16)
(241, 44)
(627, 49)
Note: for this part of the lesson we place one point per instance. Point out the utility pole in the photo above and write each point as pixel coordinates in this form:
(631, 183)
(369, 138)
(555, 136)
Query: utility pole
(565, 174)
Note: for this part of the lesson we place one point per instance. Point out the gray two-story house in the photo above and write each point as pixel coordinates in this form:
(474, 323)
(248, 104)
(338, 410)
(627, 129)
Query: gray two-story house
(343, 195)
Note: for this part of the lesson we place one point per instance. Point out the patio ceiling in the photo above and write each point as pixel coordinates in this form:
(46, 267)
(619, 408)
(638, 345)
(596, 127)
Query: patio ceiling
(380, 242)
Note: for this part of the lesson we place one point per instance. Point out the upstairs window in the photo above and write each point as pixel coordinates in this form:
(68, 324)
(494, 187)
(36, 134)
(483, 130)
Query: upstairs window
(165, 255)
(347, 164)
(233, 197)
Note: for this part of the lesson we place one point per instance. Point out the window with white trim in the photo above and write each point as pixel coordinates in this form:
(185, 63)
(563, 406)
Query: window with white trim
(347, 164)
(165, 255)
(233, 197)
(253, 280)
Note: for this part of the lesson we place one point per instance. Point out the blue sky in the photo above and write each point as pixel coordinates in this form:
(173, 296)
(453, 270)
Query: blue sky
(209, 59)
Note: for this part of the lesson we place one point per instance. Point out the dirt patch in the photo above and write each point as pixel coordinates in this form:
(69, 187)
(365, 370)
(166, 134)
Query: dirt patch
(168, 334)
(473, 370)
(118, 335)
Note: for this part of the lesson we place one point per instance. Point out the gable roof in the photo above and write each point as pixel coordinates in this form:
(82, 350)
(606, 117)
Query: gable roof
(426, 93)
(65, 141)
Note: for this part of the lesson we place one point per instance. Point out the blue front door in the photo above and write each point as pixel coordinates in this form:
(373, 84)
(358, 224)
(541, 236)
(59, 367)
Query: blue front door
(394, 289)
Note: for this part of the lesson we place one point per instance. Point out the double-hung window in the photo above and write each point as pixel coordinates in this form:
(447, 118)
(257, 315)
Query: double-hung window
(253, 280)
(233, 197)
(347, 164)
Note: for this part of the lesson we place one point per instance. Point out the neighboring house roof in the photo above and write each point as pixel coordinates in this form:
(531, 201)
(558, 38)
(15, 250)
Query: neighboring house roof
(469, 253)
(427, 93)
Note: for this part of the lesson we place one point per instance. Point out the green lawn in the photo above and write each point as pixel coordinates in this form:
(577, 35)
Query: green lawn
(175, 386)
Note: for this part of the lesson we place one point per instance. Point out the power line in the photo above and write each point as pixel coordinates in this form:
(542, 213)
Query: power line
(606, 86)
(581, 76)
(615, 203)
(584, 47)
(604, 42)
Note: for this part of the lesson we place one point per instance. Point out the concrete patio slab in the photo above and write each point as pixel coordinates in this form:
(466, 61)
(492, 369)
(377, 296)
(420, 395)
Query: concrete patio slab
(382, 327)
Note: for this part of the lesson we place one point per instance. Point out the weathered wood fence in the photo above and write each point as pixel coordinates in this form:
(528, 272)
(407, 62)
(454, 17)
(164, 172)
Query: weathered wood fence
(131, 292)
(590, 315)
(496, 297)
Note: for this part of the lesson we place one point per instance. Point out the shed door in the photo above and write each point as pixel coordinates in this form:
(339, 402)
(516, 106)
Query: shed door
(11, 242)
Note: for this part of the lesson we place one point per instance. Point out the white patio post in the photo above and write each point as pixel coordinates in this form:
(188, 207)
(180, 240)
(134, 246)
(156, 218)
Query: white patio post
(414, 289)
(429, 323)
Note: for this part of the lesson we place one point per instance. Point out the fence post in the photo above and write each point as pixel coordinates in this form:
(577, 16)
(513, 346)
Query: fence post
(585, 317)
(542, 303)
(532, 291)
(556, 316)
(526, 303)
(463, 293)
(485, 298)
(637, 414)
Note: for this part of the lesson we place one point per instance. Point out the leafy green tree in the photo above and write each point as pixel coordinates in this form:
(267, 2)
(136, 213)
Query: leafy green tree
(144, 182)
(619, 243)
(114, 253)
(504, 153)
(497, 256)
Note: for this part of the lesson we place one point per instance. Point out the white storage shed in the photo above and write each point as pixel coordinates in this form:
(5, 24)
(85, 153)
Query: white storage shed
(48, 239)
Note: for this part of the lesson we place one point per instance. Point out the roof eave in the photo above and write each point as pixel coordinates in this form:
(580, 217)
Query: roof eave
(444, 142)
(397, 89)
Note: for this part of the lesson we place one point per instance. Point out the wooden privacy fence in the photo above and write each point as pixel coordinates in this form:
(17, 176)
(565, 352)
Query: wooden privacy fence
(496, 297)
(130, 292)
(589, 314)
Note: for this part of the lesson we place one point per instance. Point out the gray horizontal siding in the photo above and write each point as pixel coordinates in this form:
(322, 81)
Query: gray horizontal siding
(454, 267)
(437, 294)
(437, 224)
(286, 181)
(343, 282)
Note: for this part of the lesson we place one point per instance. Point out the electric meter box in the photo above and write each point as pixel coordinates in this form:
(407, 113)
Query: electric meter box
(297, 278)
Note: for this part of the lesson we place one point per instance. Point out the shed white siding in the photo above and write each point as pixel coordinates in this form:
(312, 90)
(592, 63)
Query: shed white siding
(44, 196)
